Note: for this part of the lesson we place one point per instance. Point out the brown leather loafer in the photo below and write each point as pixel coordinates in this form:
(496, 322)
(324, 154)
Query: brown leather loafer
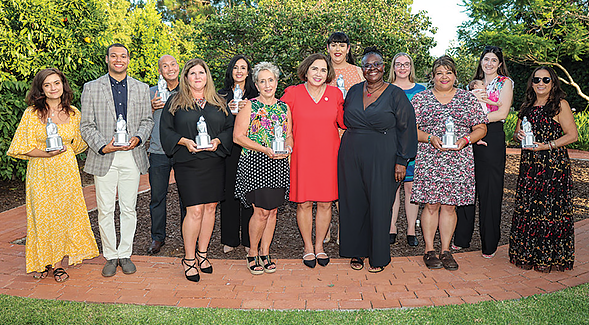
(448, 261)
(432, 261)
(155, 247)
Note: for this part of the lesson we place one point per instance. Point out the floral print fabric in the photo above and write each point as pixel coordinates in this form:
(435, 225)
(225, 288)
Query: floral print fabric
(445, 177)
(542, 230)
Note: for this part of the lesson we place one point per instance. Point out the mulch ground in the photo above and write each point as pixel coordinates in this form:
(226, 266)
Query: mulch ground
(287, 240)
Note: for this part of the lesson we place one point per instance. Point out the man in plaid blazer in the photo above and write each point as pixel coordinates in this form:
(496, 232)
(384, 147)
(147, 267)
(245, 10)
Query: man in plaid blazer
(116, 168)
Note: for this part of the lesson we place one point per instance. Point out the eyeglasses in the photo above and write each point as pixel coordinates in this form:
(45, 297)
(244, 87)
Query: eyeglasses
(405, 65)
(537, 80)
(375, 65)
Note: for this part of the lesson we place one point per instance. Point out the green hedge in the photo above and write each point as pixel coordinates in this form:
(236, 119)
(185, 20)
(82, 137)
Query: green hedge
(12, 107)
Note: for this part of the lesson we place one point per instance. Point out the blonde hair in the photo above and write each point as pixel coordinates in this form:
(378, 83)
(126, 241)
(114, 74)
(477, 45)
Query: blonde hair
(184, 100)
(393, 76)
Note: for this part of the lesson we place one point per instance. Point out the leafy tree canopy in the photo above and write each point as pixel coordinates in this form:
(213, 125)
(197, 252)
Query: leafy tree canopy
(530, 31)
(286, 31)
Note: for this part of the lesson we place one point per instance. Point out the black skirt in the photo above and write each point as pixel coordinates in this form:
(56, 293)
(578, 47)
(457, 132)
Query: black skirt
(266, 198)
(200, 181)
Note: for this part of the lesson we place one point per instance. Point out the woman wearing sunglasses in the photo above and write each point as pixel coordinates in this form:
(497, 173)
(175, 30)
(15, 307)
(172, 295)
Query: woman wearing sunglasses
(489, 158)
(542, 230)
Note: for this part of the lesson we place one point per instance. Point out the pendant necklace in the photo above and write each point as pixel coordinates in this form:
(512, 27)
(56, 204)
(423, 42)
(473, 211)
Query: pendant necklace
(368, 93)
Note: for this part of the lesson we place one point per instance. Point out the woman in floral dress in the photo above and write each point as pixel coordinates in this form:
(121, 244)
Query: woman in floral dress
(444, 178)
(542, 229)
(262, 175)
(57, 219)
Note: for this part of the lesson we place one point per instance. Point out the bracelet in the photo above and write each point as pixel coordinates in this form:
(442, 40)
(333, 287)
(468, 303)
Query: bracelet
(553, 143)
(467, 138)
(429, 139)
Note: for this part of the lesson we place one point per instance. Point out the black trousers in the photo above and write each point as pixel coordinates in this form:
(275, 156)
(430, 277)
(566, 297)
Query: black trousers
(489, 174)
(366, 187)
(234, 216)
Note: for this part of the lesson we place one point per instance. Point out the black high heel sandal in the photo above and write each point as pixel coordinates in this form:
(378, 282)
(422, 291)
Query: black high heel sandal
(208, 269)
(42, 275)
(194, 277)
(267, 263)
(58, 275)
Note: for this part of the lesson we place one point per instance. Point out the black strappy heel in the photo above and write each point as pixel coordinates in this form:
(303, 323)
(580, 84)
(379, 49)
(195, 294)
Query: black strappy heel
(208, 269)
(194, 277)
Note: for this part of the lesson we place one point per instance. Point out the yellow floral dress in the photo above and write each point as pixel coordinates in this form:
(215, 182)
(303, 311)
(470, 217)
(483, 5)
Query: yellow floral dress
(57, 219)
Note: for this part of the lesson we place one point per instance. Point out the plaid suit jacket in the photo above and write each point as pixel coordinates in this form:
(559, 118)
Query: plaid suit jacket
(98, 122)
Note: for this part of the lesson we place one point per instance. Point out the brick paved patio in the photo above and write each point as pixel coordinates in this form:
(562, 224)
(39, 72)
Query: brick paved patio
(404, 283)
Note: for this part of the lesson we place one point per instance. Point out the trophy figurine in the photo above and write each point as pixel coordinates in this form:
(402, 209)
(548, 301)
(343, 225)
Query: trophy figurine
(340, 85)
(529, 139)
(54, 141)
(237, 97)
(162, 89)
(203, 140)
(278, 142)
(449, 138)
(121, 135)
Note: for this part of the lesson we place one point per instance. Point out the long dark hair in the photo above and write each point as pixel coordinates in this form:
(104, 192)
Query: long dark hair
(502, 70)
(36, 97)
(250, 87)
(552, 107)
(340, 37)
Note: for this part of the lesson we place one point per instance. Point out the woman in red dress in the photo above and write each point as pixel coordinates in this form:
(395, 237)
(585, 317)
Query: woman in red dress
(316, 111)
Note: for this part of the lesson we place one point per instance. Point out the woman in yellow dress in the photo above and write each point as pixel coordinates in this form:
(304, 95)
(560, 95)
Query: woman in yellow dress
(57, 219)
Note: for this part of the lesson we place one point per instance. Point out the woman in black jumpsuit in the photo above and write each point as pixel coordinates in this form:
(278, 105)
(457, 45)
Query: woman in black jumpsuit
(380, 137)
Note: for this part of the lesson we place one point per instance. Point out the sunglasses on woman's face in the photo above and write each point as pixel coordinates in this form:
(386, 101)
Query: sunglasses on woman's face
(537, 80)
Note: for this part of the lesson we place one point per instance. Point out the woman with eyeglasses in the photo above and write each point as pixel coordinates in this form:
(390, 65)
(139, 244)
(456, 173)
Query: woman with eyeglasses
(402, 75)
(380, 138)
(489, 157)
(542, 229)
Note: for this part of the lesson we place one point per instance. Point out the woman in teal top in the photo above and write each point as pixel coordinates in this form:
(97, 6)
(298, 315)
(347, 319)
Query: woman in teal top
(263, 175)
(402, 75)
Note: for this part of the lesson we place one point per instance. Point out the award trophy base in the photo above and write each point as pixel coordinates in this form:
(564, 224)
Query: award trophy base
(278, 147)
(529, 146)
(236, 110)
(449, 142)
(528, 142)
(203, 141)
(54, 144)
(121, 140)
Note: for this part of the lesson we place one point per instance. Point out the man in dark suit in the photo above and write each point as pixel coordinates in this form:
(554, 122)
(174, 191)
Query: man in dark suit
(116, 167)
(160, 165)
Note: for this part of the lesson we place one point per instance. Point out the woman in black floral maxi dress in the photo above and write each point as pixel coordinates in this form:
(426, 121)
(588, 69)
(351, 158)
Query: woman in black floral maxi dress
(542, 230)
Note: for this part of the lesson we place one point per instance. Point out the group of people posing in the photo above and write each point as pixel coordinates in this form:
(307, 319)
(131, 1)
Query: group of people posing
(246, 148)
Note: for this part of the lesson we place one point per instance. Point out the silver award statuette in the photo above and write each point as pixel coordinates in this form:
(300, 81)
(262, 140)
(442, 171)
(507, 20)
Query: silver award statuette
(237, 97)
(203, 140)
(529, 139)
(449, 138)
(162, 89)
(54, 141)
(278, 142)
(340, 85)
(121, 135)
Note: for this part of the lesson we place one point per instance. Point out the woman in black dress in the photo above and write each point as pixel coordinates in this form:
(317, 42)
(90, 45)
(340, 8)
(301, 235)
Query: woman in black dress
(542, 229)
(380, 137)
(199, 172)
(235, 217)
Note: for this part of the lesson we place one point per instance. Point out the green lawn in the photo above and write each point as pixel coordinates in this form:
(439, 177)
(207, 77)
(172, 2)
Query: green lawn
(569, 306)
